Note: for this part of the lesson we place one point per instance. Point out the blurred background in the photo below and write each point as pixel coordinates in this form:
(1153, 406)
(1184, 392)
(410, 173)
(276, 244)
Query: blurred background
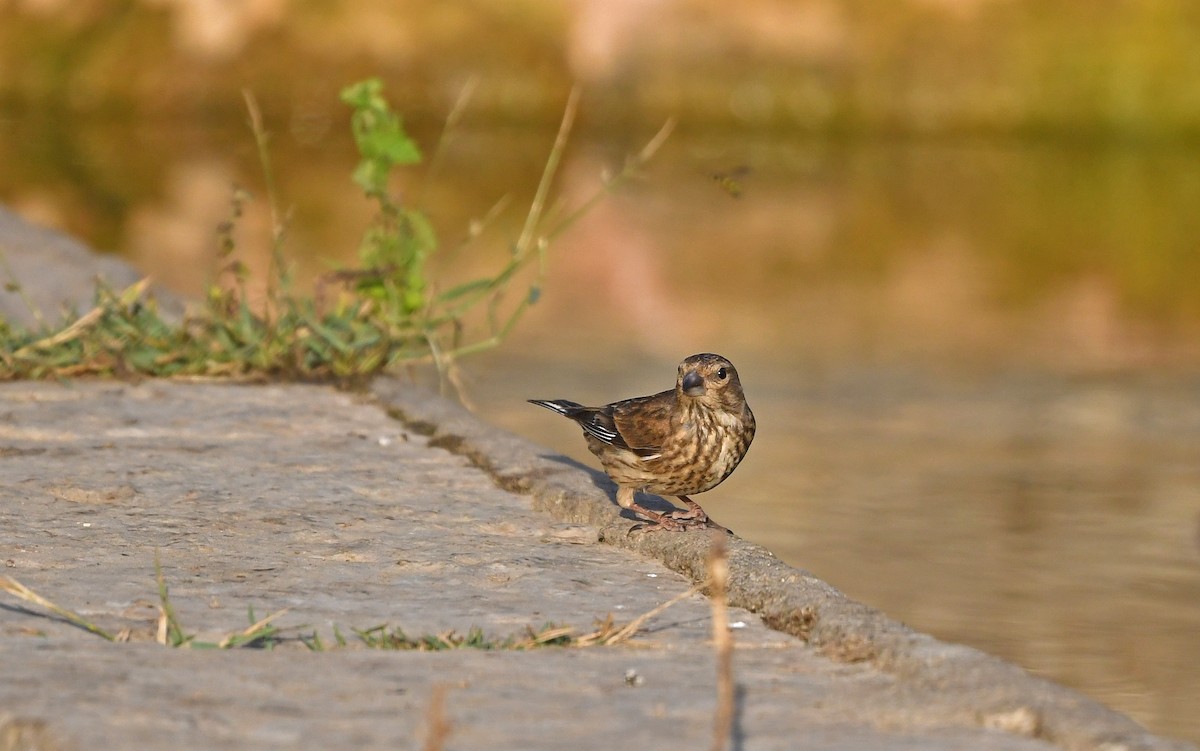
(953, 247)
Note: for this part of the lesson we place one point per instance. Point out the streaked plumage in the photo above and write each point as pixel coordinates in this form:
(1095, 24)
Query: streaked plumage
(676, 443)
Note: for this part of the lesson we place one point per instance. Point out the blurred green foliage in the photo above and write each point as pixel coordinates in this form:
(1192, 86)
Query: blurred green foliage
(386, 313)
(400, 239)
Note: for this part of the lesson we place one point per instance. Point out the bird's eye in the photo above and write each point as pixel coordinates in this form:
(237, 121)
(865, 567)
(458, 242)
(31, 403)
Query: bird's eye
(722, 374)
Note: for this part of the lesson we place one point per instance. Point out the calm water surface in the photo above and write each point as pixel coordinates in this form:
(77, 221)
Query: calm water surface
(976, 366)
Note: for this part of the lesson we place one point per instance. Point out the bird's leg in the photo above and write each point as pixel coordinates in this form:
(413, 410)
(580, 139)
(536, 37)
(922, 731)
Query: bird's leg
(694, 513)
(660, 521)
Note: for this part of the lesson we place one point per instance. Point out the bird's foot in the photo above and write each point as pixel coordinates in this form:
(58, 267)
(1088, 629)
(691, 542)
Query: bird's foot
(656, 522)
(669, 525)
(694, 513)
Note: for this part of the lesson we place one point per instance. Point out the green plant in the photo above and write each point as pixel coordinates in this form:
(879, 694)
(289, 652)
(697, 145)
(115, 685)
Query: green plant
(386, 312)
(398, 243)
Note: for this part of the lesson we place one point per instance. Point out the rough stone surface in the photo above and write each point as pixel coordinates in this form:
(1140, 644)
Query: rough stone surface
(307, 498)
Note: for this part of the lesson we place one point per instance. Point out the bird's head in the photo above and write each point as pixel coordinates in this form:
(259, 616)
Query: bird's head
(712, 380)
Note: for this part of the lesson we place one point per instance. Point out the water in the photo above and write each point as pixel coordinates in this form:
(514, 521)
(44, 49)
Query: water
(976, 365)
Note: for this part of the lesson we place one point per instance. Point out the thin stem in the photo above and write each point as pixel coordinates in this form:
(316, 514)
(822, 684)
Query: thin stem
(539, 198)
(17, 589)
(439, 151)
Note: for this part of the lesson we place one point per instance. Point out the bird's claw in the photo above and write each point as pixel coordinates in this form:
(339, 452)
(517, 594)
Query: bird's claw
(648, 527)
(693, 515)
(668, 523)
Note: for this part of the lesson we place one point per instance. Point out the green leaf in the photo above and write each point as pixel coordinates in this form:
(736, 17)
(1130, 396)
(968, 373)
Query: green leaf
(363, 94)
(387, 143)
(379, 134)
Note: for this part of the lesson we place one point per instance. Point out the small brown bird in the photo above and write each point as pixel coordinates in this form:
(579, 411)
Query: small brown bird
(679, 442)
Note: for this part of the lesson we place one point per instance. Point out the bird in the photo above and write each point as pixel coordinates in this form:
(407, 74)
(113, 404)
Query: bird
(679, 442)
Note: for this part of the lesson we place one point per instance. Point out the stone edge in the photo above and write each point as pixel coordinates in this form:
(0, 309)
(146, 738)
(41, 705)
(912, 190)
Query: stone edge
(966, 685)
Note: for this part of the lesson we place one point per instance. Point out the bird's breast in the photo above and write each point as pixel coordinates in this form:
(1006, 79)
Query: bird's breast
(703, 449)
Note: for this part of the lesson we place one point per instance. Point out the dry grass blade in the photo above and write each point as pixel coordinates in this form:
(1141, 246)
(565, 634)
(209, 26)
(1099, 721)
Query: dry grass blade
(170, 632)
(718, 574)
(86, 321)
(607, 635)
(261, 140)
(257, 630)
(160, 633)
(19, 590)
(534, 217)
(82, 324)
(550, 635)
(631, 167)
(448, 129)
(438, 727)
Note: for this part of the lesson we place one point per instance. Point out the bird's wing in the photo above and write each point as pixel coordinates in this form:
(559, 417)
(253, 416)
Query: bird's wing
(640, 425)
(643, 424)
(597, 422)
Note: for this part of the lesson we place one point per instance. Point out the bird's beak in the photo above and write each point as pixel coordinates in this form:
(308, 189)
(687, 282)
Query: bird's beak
(693, 384)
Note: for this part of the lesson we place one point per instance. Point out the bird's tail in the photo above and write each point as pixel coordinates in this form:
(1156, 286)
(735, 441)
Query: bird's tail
(561, 406)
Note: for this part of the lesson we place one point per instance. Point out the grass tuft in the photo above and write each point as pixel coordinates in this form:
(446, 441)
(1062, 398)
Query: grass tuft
(386, 312)
(263, 634)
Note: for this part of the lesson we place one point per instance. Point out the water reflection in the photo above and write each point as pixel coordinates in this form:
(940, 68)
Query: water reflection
(976, 364)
